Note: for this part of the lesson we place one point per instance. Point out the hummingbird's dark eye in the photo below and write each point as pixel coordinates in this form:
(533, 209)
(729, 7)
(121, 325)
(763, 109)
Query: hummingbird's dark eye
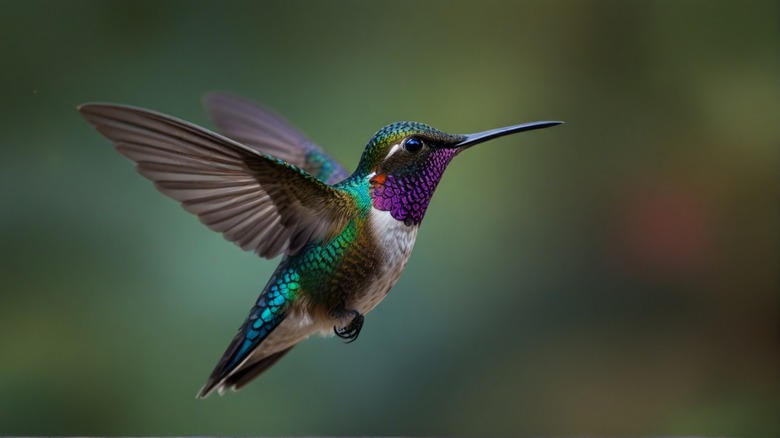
(413, 144)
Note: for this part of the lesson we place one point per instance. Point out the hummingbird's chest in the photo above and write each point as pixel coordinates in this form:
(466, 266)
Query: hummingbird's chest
(358, 268)
(393, 241)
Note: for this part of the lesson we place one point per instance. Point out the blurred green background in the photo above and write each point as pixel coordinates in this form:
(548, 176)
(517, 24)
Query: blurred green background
(617, 275)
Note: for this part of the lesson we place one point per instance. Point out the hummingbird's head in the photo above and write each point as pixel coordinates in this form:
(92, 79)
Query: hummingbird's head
(404, 162)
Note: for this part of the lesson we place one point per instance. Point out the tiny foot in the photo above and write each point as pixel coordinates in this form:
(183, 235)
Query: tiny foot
(351, 331)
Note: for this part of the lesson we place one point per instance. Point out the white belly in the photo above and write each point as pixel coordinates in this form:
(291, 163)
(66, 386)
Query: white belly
(396, 240)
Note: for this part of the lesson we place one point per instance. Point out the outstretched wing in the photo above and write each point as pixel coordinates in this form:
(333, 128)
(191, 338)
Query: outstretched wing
(258, 202)
(260, 128)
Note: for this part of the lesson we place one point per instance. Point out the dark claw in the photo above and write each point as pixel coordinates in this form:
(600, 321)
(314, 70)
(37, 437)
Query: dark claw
(352, 330)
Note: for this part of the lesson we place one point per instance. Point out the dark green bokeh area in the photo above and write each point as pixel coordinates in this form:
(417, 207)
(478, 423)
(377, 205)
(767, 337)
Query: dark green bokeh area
(615, 275)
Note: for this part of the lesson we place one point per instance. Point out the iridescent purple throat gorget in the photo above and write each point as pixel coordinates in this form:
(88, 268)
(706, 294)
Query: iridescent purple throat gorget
(406, 196)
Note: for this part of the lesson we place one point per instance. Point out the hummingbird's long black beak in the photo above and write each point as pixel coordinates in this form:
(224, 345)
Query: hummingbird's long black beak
(479, 137)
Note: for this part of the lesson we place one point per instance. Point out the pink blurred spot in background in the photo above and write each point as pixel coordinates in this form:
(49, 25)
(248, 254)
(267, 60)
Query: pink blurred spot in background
(664, 229)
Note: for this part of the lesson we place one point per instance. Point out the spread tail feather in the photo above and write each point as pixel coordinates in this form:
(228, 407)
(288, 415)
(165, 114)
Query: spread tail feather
(241, 376)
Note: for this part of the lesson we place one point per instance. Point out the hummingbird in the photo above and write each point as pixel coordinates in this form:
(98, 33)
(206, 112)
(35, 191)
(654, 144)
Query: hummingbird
(344, 238)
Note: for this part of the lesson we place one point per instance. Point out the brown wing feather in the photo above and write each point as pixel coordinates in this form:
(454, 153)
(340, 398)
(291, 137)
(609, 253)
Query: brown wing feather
(257, 127)
(262, 129)
(258, 202)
